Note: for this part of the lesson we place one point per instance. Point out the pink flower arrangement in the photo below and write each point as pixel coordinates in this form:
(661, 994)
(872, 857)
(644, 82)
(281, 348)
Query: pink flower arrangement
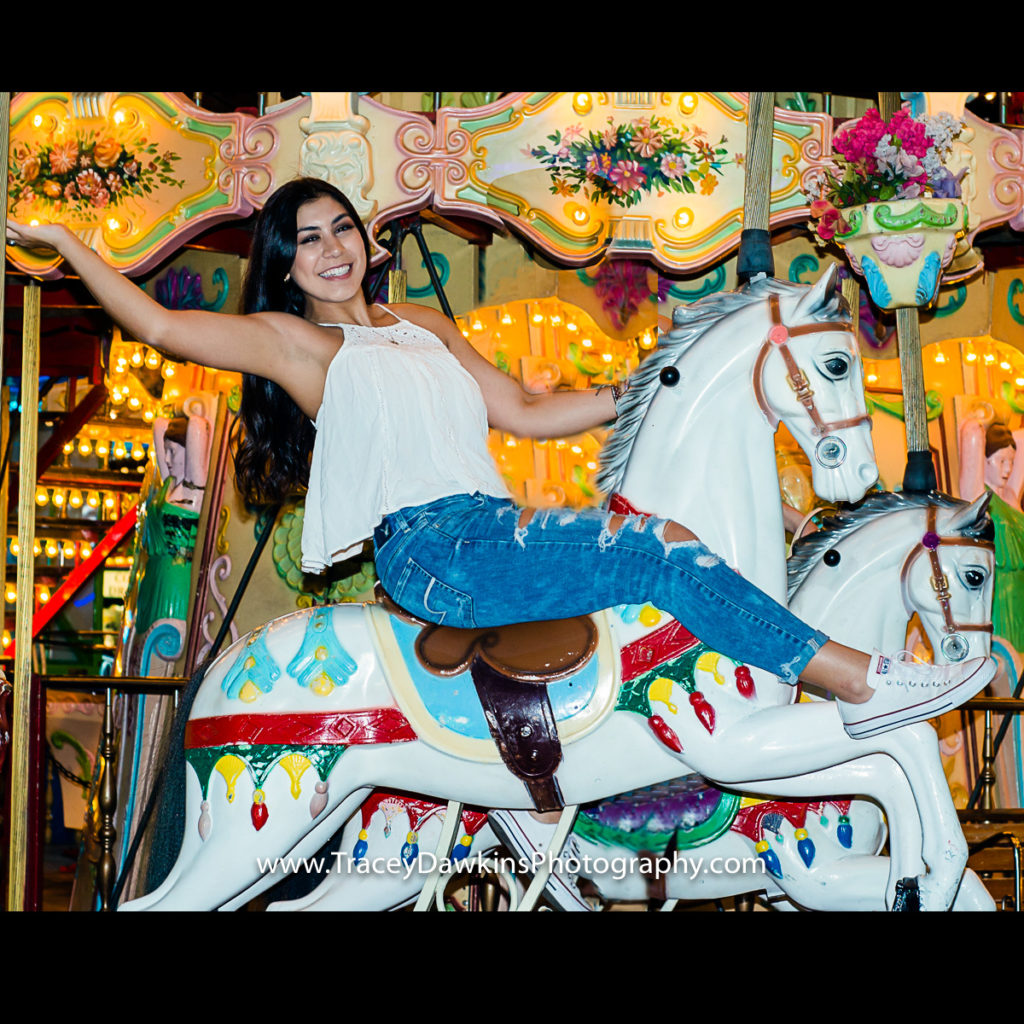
(876, 161)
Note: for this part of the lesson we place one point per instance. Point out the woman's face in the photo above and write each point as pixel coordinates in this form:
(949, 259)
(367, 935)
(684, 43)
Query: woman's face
(330, 260)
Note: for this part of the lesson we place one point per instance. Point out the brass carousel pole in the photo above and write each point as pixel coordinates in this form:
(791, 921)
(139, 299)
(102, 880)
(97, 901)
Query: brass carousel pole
(20, 718)
(920, 472)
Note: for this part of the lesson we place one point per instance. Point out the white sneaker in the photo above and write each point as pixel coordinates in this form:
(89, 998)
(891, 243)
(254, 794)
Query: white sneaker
(908, 691)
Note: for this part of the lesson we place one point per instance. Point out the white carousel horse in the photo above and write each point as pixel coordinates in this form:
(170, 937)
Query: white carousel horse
(345, 702)
(859, 579)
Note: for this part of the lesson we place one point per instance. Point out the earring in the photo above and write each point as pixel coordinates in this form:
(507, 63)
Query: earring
(287, 277)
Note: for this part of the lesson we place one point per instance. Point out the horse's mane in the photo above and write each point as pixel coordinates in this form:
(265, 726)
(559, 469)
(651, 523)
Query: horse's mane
(807, 553)
(689, 324)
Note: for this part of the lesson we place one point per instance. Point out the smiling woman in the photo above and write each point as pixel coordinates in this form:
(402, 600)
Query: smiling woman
(383, 414)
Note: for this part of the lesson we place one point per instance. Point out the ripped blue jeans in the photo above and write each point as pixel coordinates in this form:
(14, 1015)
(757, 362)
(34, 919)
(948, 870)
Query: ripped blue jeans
(464, 560)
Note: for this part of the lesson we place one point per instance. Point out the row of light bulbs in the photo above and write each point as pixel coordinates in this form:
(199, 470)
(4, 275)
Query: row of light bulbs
(112, 503)
(53, 548)
(983, 355)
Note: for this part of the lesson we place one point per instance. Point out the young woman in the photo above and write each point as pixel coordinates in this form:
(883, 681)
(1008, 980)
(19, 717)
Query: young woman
(384, 413)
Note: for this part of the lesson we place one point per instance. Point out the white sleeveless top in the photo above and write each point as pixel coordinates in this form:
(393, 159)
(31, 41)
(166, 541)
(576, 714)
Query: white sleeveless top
(402, 423)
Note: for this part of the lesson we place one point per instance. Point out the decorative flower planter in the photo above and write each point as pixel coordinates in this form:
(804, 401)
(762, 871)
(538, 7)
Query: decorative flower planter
(900, 247)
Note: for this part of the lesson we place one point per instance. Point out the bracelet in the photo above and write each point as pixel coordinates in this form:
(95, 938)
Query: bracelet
(618, 390)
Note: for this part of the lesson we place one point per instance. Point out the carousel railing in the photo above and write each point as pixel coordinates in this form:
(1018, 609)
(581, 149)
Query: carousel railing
(989, 825)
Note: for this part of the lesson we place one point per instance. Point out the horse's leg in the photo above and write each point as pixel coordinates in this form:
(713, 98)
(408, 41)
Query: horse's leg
(802, 739)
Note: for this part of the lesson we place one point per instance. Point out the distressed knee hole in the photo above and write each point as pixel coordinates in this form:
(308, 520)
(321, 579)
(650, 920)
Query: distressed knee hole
(676, 533)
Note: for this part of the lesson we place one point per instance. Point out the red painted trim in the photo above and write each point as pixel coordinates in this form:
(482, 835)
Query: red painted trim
(69, 427)
(655, 648)
(419, 810)
(369, 725)
(623, 506)
(81, 573)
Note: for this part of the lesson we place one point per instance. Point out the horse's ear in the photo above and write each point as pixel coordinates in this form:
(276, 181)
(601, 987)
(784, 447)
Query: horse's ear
(969, 514)
(818, 294)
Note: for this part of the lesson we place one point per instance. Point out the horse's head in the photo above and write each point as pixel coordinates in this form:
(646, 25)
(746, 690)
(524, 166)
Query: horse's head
(947, 578)
(808, 374)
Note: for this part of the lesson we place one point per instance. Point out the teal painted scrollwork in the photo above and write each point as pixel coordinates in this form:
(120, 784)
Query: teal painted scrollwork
(953, 303)
(322, 662)
(165, 639)
(714, 282)
(444, 270)
(1016, 288)
(876, 283)
(801, 265)
(927, 280)
(254, 664)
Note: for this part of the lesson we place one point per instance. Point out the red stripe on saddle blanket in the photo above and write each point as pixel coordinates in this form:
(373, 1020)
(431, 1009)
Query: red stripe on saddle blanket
(419, 810)
(372, 725)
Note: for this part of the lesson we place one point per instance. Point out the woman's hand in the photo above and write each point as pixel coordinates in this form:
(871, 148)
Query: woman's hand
(35, 236)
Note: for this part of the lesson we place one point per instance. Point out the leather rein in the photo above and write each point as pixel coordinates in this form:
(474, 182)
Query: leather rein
(778, 341)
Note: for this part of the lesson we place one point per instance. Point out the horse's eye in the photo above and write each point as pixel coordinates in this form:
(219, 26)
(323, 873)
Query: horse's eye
(974, 578)
(837, 366)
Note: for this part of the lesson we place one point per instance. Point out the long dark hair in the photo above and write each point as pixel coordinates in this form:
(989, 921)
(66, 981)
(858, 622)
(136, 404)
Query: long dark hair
(272, 453)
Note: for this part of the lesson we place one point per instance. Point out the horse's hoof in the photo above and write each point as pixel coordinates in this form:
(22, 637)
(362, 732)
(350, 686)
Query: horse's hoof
(908, 896)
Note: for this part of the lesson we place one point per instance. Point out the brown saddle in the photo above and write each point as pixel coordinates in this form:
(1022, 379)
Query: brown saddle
(509, 666)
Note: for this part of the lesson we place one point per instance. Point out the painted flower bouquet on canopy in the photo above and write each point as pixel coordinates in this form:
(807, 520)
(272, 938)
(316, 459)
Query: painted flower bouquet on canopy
(877, 161)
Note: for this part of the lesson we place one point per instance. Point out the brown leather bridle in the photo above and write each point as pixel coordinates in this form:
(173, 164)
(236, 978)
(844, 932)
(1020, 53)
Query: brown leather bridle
(778, 341)
(954, 645)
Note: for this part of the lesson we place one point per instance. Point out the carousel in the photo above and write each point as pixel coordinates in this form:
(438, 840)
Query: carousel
(817, 302)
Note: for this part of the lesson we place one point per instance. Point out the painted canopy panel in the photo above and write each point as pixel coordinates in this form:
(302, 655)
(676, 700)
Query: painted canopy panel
(655, 176)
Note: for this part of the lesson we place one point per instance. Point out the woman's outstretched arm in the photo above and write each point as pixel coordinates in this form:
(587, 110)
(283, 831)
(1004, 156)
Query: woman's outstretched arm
(272, 345)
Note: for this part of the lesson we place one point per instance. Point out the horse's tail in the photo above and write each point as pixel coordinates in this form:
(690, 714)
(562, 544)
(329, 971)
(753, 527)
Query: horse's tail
(168, 792)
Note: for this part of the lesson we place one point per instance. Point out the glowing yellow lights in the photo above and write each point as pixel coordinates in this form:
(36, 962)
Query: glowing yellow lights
(511, 442)
(478, 325)
(109, 501)
(119, 117)
(10, 595)
(51, 549)
(69, 447)
(872, 378)
(138, 452)
(570, 326)
(134, 403)
(37, 121)
(556, 320)
(86, 551)
(102, 447)
(606, 357)
(75, 499)
(42, 496)
(153, 359)
(465, 334)
(1004, 365)
(58, 498)
(167, 370)
(648, 340)
(582, 102)
(576, 449)
(537, 318)
(148, 416)
(113, 223)
(6, 638)
(69, 549)
(580, 215)
(683, 217)
(85, 448)
(688, 103)
(15, 548)
(591, 465)
(988, 359)
(137, 358)
(940, 356)
(93, 500)
(37, 549)
(506, 319)
(120, 451)
(43, 594)
(587, 342)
